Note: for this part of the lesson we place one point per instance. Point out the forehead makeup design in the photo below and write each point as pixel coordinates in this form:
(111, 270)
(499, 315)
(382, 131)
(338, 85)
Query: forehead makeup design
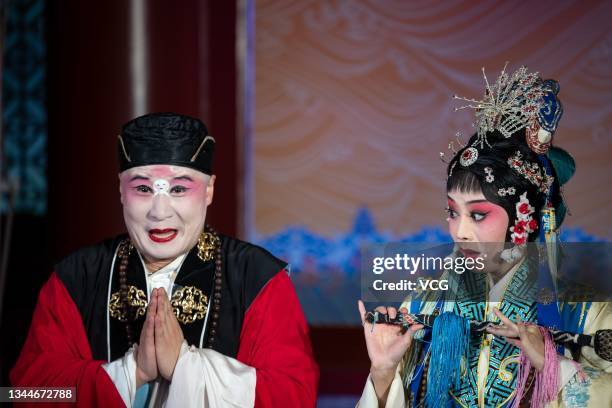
(161, 186)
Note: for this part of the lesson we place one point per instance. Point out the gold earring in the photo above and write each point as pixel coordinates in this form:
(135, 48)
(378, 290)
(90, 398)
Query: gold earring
(207, 245)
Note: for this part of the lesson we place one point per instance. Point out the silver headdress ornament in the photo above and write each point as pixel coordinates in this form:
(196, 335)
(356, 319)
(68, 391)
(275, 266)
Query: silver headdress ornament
(510, 104)
(453, 148)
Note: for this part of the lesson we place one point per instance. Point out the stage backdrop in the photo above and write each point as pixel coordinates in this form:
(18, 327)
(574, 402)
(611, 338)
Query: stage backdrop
(352, 105)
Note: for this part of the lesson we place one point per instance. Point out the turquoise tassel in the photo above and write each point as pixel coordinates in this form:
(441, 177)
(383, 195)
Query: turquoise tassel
(449, 346)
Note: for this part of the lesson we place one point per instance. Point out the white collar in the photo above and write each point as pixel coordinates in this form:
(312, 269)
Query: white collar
(166, 270)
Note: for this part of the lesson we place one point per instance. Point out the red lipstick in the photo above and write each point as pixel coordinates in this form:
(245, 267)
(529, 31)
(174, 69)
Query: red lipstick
(162, 235)
(469, 253)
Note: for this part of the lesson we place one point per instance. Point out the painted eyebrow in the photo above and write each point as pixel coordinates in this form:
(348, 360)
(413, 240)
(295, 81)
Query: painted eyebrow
(186, 178)
(139, 177)
(469, 202)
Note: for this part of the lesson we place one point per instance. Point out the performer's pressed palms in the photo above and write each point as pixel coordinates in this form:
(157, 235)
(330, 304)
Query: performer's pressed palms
(146, 364)
(160, 341)
(168, 336)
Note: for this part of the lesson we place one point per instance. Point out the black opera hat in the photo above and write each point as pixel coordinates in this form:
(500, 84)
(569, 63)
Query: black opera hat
(166, 138)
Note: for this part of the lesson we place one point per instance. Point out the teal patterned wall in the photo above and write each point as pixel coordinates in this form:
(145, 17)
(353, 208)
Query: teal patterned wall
(24, 113)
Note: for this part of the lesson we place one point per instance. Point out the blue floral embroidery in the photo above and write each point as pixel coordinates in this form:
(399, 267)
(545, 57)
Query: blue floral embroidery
(576, 392)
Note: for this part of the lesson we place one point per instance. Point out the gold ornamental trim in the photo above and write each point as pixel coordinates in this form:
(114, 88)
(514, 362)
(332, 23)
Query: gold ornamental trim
(137, 301)
(189, 304)
(207, 245)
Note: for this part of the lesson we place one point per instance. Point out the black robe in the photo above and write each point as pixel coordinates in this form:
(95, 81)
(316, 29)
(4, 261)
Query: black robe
(259, 315)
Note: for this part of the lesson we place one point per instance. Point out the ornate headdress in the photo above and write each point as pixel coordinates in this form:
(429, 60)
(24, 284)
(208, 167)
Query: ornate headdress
(514, 102)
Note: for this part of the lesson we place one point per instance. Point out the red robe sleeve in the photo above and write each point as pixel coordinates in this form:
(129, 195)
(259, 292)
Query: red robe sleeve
(275, 341)
(57, 354)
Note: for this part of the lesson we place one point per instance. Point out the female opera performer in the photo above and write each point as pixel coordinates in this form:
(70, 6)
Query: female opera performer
(503, 191)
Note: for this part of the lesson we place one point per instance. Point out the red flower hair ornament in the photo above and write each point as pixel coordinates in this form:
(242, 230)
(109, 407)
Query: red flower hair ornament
(525, 224)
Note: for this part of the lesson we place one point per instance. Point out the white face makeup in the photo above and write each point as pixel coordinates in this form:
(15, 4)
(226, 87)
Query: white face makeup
(164, 208)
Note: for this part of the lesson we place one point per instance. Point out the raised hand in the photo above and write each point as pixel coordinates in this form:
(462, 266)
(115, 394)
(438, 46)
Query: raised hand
(168, 336)
(386, 345)
(526, 337)
(146, 363)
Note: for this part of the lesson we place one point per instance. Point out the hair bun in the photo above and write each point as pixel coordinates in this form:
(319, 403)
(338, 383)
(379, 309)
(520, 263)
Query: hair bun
(564, 164)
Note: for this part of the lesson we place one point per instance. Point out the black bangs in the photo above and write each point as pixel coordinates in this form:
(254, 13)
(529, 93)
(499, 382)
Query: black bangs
(464, 181)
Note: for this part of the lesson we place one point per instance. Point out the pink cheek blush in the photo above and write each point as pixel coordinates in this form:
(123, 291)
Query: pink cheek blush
(129, 193)
(495, 224)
